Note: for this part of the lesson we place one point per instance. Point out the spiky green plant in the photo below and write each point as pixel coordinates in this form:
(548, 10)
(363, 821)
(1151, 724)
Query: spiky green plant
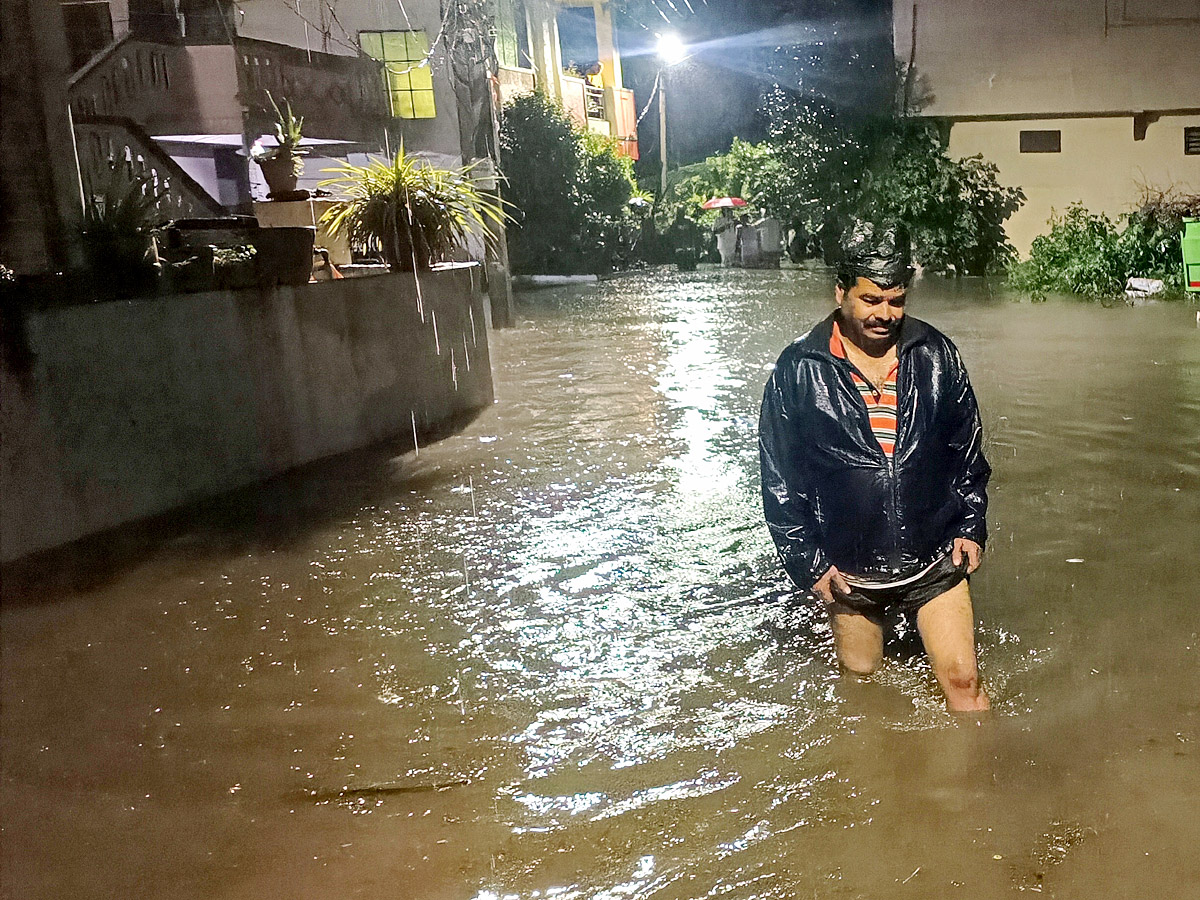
(288, 134)
(116, 229)
(119, 204)
(412, 213)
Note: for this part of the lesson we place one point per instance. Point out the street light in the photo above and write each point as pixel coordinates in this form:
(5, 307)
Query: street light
(671, 51)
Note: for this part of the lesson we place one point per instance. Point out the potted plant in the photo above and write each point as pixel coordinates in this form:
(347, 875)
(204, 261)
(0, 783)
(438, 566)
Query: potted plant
(234, 268)
(411, 213)
(117, 230)
(283, 163)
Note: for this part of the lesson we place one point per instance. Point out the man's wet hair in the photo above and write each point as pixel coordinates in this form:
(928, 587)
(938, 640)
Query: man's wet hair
(880, 251)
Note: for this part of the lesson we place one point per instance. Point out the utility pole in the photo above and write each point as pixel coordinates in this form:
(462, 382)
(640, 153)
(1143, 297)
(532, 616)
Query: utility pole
(671, 51)
(662, 129)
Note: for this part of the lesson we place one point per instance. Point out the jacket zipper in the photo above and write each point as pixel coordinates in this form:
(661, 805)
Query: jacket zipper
(892, 477)
(893, 510)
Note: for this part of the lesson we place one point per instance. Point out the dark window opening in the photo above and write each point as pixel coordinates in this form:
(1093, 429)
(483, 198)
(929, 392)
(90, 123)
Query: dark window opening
(89, 29)
(1041, 141)
(1191, 141)
(577, 38)
(524, 54)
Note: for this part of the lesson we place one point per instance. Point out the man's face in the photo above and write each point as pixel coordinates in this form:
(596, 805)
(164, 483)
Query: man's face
(871, 315)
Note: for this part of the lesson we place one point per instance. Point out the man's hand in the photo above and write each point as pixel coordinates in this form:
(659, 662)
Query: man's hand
(832, 586)
(969, 550)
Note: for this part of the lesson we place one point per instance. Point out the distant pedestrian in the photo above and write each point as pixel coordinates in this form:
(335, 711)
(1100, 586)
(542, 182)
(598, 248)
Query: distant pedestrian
(683, 237)
(725, 228)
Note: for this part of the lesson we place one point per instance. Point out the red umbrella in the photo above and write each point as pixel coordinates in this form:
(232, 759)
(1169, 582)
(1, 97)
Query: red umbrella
(723, 203)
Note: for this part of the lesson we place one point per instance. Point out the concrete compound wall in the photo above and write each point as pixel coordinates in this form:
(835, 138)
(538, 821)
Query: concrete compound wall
(127, 409)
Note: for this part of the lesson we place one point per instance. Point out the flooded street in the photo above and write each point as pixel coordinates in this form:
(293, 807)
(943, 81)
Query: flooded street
(555, 655)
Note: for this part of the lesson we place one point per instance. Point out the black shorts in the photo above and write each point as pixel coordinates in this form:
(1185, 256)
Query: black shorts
(907, 596)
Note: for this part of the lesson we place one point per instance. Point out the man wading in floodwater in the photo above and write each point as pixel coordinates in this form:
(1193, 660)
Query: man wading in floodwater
(873, 475)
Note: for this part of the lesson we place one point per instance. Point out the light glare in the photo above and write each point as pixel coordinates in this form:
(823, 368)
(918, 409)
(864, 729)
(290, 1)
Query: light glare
(671, 49)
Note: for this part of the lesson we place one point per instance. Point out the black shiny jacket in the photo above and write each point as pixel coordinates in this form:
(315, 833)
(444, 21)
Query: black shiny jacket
(830, 494)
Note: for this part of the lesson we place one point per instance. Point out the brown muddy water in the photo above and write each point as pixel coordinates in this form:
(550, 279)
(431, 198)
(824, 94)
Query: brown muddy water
(554, 656)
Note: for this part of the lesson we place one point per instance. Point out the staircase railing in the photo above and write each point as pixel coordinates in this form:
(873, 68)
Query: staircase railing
(105, 141)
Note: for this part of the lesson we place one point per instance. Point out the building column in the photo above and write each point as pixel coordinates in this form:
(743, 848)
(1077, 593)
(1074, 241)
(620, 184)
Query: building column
(543, 28)
(610, 61)
(41, 188)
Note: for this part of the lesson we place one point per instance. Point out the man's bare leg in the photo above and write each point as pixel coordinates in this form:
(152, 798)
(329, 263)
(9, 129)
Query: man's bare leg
(947, 626)
(857, 639)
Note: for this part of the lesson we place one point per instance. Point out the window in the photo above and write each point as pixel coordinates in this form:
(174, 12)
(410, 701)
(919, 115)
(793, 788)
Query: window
(406, 71)
(1041, 141)
(89, 29)
(1191, 141)
(512, 35)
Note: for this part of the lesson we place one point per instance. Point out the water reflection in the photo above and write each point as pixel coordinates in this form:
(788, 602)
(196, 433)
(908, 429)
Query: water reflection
(555, 655)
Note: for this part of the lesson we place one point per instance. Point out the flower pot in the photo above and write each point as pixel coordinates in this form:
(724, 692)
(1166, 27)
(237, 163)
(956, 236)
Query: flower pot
(280, 174)
(402, 256)
(283, 255)
(128, 264)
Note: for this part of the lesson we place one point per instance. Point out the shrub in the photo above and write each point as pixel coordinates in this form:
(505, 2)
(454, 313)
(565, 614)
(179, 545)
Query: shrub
(833, 165)
(604, 187)
(819, 167)
(539, 158)
(954, 209)
(750, 171)
(569, 191)
(413, 213)
(1094, 255)
(116, 232)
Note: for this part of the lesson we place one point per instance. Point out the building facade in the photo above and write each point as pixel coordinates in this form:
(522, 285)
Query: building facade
(568, 50)
(178, 90)
(1090, 101)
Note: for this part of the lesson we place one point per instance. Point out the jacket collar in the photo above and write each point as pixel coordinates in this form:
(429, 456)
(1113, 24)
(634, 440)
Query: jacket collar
(816, 342)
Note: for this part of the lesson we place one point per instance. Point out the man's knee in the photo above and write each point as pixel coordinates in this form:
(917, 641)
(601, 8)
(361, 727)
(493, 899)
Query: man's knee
(860, 663)
(962, 675)
(858, 641)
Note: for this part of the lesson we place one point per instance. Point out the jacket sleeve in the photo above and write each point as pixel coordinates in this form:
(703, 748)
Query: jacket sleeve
(973, 471)
(788, 501)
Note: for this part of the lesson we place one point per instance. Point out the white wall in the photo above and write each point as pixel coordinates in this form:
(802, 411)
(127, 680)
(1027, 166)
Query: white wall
(1082, 67)
(1100, 165)
(126, 409)
(983, 57)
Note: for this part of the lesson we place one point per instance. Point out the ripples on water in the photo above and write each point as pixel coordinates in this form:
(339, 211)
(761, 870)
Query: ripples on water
(554, 656)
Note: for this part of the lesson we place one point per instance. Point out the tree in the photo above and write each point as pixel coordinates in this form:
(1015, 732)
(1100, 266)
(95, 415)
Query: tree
(569, 190)
(954, 209)
(887, 164)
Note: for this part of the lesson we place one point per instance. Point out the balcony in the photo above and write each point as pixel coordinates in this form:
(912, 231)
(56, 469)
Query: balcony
(176, 88)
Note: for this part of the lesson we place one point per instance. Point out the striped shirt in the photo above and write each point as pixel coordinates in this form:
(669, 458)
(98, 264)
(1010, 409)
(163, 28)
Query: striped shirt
(880, 403)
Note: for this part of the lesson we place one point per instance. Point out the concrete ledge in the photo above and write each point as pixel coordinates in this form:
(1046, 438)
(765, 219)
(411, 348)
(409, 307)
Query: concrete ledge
(126, 409)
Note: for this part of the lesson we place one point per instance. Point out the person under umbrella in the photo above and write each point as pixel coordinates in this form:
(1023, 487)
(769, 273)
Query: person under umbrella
(726, 227)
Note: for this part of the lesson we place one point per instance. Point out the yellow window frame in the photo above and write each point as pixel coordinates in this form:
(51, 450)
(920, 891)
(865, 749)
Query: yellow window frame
(406, 70)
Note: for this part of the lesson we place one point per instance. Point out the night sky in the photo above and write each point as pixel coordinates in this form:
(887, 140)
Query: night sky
(840, 50)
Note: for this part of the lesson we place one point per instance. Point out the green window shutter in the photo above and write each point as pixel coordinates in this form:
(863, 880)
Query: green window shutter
(506, 33)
